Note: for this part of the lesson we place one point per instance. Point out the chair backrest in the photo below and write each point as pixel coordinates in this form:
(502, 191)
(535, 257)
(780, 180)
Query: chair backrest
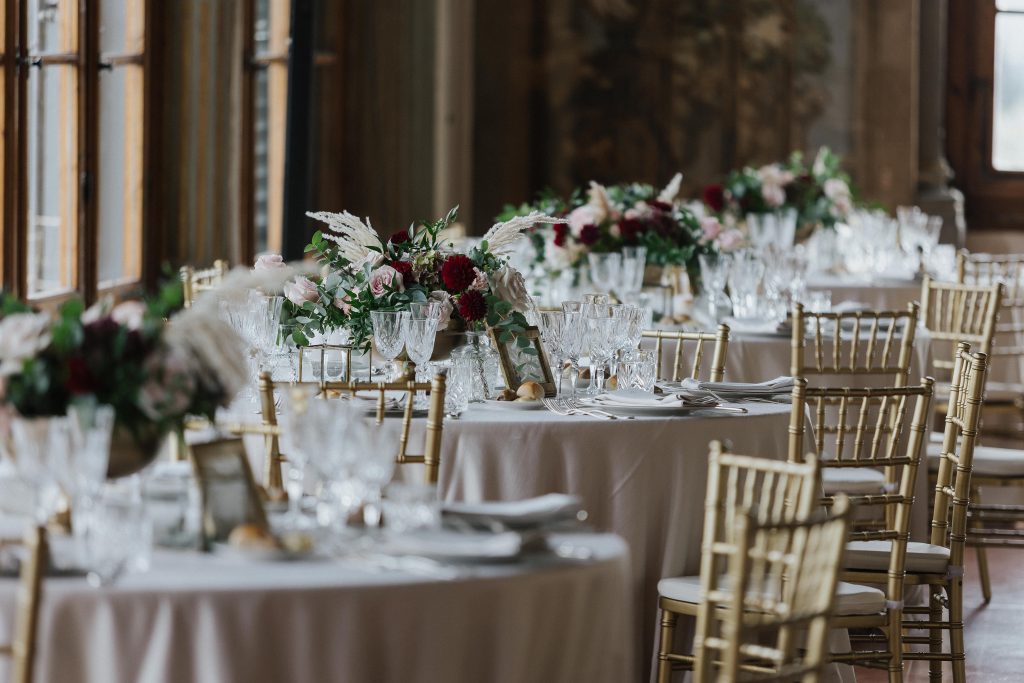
(430, 458)
(872, 343)
(781, 582)
(954, 313)
(22, 650)
(716, 373)
(1007, 270)
(953, 482)
(195, 281)
(775, 491)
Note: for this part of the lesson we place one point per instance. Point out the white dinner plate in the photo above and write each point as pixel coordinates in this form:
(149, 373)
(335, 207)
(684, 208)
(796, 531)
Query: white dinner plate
(515, 405)
(454, 546)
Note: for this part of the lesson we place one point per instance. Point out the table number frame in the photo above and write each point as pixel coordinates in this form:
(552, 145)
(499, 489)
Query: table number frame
(508, 351)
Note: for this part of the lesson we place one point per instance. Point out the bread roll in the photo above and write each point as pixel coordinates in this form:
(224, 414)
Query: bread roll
(530, 390)
(251, 536)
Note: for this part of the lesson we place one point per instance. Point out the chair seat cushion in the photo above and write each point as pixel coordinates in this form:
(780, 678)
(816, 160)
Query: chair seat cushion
(988, 460)
(851, 598)
(922, 558)
(856, 480)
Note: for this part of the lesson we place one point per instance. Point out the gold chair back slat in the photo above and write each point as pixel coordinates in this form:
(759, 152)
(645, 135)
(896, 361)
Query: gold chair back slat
(781, 584)
(430, 458)
(954, 313)
(196, 281)
(862, 343)
(1008, 271)
(22, 649)
(719, 355)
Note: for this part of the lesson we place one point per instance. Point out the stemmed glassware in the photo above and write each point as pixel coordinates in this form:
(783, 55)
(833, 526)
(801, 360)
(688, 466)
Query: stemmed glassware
(631, 276)
(602, 335)
(552, 331)
(714, 273)
(604, 269)
(574, 344)
(375, 466)
(745, 282)
(389, 336)
(420, 334)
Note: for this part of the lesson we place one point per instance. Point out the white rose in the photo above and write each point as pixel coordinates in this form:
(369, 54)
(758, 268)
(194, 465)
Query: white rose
(836, 189)
(22, 336)
(445, 299)
(129, 313)
(372, 258)
(508, 285)
(268, 262)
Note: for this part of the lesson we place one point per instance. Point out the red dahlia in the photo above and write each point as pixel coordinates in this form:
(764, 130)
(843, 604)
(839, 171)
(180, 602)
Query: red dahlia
(561, 234)
(399, 237)
(589, 234)
(472, 306)
(457, 273)
(714, 197)
(404, 268)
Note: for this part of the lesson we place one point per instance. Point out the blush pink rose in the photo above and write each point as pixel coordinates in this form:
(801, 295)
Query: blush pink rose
(300, 290)
(268, 262)
(710, 228)
(384, 278)
(343, 303)
(730, 240)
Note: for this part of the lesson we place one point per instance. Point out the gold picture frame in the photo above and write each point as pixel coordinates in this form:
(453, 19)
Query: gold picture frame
(227, 491)
(518, 367)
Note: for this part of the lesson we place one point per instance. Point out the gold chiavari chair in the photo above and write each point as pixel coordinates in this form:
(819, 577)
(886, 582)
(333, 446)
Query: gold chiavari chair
(776, 491)
(954, 313)
(716, 373)
(869, 348)
(22, 649)
(867, 434)
(431, 455)
(773, 584)
(195, 281)
(940, 563)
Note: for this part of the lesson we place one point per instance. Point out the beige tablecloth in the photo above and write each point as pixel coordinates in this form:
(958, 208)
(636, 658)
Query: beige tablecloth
(876, 292)
(643, 479)
(205, 619)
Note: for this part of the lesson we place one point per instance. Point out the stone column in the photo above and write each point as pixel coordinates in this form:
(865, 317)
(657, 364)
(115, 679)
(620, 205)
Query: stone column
(934, 194)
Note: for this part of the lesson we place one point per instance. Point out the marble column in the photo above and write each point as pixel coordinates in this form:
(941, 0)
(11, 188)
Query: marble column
(934, 193)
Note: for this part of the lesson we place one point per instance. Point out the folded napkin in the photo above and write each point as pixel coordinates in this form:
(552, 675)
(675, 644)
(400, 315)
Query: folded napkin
(634, 398)
(518, 513)
(454, 545)
(758, 326)
(779, 385)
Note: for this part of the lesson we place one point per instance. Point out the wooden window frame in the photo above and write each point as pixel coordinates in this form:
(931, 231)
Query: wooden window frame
(80, 199)
(994, 198)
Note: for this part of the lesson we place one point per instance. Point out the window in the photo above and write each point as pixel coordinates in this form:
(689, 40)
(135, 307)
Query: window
(73, 78)
(985, 109)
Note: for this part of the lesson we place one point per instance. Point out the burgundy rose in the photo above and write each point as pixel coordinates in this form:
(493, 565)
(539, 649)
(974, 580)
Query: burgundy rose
(472, 306)
(660, 205)
(400, 237)
(590, 234)
(80, 378)
(561, 234)
(631, 228)
(404, 269)
(458, 273)
(714, 197)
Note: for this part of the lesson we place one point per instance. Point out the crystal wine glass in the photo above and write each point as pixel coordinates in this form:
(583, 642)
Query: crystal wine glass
(604, 269)
(420, 334)
(389, 336)
(602, 333)
(574, 344)
(552, 330)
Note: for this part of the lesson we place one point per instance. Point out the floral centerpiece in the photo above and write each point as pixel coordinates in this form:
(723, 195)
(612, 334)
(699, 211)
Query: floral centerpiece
(606, 219)
(820, 195)
(154, 373)
(361, 273)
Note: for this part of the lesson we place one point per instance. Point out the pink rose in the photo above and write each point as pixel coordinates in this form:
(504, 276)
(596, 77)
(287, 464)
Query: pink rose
(730, 240)
(384, 278)
(581, 217)
(445, 299)
(710, 228)
(300, 290)
(343, 303)
(268, 262)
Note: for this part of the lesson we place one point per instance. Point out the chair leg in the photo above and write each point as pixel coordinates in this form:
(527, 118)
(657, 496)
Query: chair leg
(935, 635)
(668, 631)
(986, 584)
(894, 635)
(955, 592)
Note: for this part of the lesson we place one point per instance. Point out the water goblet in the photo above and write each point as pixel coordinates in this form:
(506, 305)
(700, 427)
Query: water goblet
(389, 336)
(631, 275)
(552, 329)
(602, 336)
(745, 281)
(604, 269)
(574, 345)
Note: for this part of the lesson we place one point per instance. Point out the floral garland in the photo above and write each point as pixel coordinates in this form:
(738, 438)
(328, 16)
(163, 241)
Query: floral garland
(153, 372)
(361, 273)
(820, 195)
(606, 219)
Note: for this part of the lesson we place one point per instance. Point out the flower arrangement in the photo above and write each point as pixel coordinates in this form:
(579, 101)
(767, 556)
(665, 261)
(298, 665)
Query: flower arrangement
(153, 372)
(606, 219)
(361, 273)
(820, 195)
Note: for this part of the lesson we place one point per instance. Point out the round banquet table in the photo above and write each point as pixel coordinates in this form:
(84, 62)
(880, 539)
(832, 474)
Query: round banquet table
(888, 293)
(209, 619)
(643, 479)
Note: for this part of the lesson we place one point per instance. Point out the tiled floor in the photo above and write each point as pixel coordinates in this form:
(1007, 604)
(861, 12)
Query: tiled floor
(993, 632)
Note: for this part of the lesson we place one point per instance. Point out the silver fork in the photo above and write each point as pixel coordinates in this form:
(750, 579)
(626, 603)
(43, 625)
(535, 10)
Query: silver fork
(560, 407)
(574, 404)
